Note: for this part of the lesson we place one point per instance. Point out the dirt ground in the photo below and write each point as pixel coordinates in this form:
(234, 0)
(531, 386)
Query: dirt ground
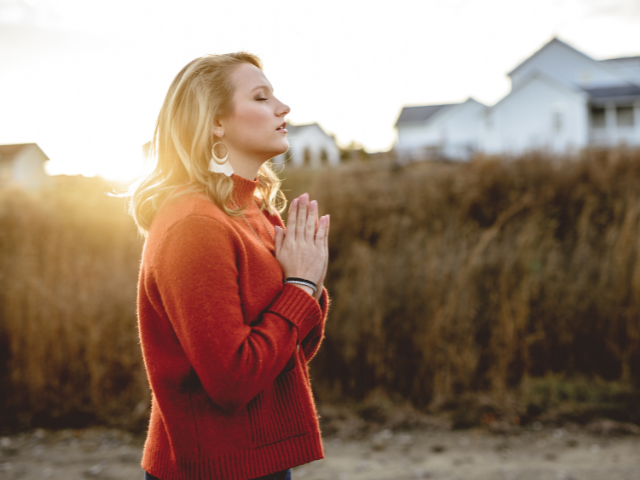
(533, 453)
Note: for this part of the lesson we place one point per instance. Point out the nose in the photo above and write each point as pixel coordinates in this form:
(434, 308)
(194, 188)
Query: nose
(283, 109)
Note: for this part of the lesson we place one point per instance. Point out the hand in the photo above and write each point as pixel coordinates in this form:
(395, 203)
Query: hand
(318, 293)
(303, 251)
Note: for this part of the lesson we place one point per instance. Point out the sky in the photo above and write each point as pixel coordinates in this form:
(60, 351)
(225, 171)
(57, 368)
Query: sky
(85, 79)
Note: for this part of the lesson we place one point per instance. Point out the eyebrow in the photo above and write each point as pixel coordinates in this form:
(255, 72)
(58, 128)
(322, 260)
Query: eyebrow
(263, 86)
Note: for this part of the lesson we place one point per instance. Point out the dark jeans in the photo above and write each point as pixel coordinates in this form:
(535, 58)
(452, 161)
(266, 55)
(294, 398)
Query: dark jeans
(283, 475)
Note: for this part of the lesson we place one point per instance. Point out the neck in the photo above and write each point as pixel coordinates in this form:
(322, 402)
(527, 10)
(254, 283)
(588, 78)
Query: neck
(245, 166)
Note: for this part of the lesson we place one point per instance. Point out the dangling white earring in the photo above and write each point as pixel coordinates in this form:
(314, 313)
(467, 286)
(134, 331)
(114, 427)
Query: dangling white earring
(218, 160)
(220, 165)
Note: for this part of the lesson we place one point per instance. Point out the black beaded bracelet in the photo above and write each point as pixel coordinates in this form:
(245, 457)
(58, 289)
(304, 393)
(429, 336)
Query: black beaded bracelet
(302, 281)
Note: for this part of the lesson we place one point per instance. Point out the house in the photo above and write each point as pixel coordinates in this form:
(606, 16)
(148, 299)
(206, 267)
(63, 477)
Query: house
(310, 146)
(561, 100)
(22, 165)
(432, 131)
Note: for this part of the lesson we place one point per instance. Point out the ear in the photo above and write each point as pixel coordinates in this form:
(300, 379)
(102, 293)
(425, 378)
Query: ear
(217, 128)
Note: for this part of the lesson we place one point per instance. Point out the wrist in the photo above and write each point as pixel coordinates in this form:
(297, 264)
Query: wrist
(309, 290)
(303, 282)
(318, 294)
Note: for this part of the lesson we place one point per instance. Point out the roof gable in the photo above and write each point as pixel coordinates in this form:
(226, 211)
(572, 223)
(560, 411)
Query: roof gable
(555, 42)
(562, 61)
(542, 77)
(9, 152)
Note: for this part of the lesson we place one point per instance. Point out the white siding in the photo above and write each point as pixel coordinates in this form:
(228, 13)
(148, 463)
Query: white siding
(313, 142)
(539, 115)
(25, 168)
(28, 167)
(414, 135)
(453, 132)
(462, 129)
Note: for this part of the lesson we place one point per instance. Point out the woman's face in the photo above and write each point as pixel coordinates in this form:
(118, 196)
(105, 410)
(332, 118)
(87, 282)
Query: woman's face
(254, 129)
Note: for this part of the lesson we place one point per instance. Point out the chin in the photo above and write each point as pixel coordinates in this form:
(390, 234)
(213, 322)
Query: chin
(273, 149)
(282, 148)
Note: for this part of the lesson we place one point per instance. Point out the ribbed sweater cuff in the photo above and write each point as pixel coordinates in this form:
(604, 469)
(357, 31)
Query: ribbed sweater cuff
(298, 307)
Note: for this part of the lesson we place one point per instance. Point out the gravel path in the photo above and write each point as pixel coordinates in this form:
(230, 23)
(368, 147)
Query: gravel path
(542, 454)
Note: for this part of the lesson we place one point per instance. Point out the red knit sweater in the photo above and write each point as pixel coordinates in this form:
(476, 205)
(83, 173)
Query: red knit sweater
(225, 345)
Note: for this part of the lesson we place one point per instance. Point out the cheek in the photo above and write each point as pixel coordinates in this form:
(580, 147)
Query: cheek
(250, 117)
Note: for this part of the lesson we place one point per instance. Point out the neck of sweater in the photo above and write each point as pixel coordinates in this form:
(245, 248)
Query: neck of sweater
(243, 189)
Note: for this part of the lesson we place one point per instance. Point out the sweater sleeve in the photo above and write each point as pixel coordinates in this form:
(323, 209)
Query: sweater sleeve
(311, 342)
(197, 278)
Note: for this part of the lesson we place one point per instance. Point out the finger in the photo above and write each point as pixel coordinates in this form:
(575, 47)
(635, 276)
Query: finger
(301, 217)
(326, 236)
(312, 219)
(291, 219)
(326, 244)
(324, 269)
(279, 235)
(326, 249)
(322, 231)
(326, 256)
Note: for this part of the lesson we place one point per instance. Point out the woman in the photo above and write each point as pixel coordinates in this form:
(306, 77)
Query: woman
(226, 332)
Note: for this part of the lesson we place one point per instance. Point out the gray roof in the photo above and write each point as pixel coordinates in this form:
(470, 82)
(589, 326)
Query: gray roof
(616, 94)
(420, 114)
(622, 59)
(293, 128)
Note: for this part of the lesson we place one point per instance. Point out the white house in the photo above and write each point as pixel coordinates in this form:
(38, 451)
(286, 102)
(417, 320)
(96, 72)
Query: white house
(449, 130)
(310, 146)
(540, 113)
(22, 165)
(561, 100)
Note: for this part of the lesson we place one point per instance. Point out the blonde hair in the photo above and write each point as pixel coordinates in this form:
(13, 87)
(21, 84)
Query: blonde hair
(182, 142)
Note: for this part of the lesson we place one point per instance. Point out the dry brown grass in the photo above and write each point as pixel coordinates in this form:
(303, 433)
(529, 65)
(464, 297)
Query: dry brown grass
(450, 283)
(456, 279)
(69, 259)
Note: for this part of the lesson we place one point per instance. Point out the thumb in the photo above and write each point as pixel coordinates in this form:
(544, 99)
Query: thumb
(279, 235)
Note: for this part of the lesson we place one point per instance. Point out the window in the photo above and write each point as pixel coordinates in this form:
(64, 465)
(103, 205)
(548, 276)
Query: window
(324, 158)
(307, 157)
(598, 119)
(624, 116)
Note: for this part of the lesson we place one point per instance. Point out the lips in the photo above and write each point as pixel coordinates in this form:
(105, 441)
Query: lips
(282, 127)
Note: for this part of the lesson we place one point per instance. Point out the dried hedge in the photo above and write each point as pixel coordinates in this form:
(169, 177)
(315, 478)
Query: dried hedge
(448, 281)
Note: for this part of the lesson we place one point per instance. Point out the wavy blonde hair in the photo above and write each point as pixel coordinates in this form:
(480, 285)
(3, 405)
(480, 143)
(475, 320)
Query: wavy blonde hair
(182, 142)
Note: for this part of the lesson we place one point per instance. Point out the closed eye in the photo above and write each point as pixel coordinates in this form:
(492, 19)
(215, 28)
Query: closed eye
(262, 99)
